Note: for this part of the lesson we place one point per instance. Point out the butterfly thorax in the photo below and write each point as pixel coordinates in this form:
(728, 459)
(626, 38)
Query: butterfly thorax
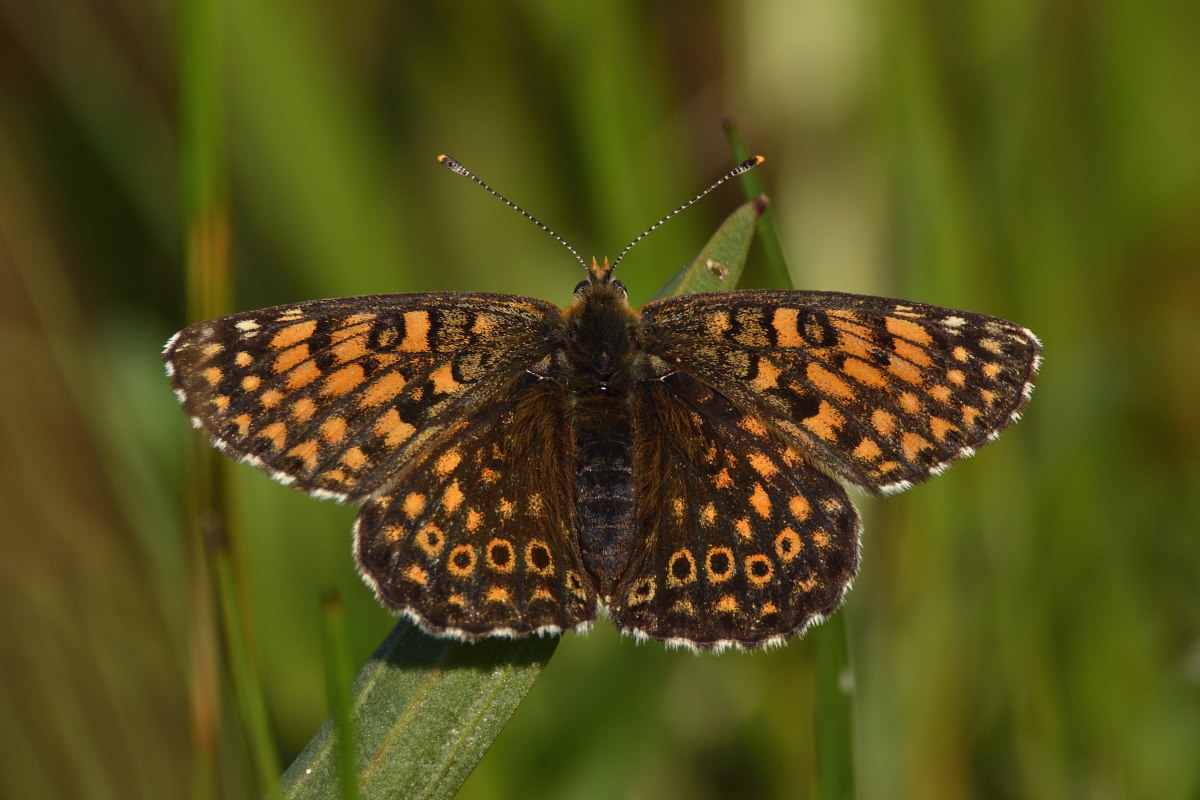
(601, 364)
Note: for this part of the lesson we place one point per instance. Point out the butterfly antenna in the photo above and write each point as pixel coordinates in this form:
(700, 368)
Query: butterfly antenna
(454, 166)
(745, 166)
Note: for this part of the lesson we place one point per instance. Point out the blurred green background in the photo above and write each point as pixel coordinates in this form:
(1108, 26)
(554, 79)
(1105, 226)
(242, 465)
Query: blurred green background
(1026, 626)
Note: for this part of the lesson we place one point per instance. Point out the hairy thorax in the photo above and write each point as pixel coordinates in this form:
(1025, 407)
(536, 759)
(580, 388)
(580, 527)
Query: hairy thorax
(601, 363)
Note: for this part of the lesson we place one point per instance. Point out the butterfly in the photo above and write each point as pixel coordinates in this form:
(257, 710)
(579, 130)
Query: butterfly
(520, 467)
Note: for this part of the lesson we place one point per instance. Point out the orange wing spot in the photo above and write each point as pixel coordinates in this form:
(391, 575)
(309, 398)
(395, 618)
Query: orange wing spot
(820, 538)
(462, 560)
(500, 555)
(743, 529)
(681, 569)
(431, 540)
(351, 349)
(306, 451)
(250, 383)
(825, 422)
(538, 559)
(447, 462)
(888, 466)
(416, 332)
(759, 569)
(643, 592)
(303, 375)
(718, 325)
(488, 475)
(355, 319)
(276, 434)
(349, 331)
(474, 520)
(752, 425)
(393, 429)
(345, 380)
(904, 370)
(909, 402)
(728, 604)
(290, 358)
(383, 389)
(718, 564)
(333, 429)
(243, 423)
(303, 409)
(956, 377)
(677, 508)
(270, 398)
(760, 501)
(723, 481)
(941, 393)
(808, 584)
(850, 326)
(766, 375)
(484, 325)
(243, 359)
(940, 428)
(864, 373)
(211, 350)
(769, 608)
(827, 383)
(417, 575)
(799, 507)
(453, 498)
(911, 352)
(762, 465)
(912, 444)
(443, 380)
(969, 414)
(786, 325)
(456, 599)
(991, 345)
(414, 504)
(708, 514)
(988, 396)
(883, 422)
(213, 375)
(992, 370)
(683, 607)
(221, 402)
(960, 353)
(294, 334)
(908, 329)
(497, 594)
(788, 545)
(336, 476)
(542, 594)
(868, 450)
(505, 507)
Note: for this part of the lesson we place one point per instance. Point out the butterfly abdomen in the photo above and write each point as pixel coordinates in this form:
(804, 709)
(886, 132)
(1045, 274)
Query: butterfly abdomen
(604, 483)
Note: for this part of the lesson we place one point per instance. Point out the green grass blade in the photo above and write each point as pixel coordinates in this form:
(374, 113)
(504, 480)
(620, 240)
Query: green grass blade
(425, 710)
(722, 259)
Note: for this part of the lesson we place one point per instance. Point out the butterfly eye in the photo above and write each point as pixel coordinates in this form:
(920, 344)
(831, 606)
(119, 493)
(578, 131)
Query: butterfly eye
(579, 287)
(621, 288)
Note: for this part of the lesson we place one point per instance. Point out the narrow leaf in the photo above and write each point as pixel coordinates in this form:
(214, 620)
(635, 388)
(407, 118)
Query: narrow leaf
(722, 260)
(425, 711)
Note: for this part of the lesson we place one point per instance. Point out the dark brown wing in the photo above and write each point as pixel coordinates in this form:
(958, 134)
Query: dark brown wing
(880, 392)
(479, 536)
(741, 541)
(335, 396)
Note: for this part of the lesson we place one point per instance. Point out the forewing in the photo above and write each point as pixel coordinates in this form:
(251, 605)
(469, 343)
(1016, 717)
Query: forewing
(335, 396)
(880, 392)
(741, 541)
(479, 536)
